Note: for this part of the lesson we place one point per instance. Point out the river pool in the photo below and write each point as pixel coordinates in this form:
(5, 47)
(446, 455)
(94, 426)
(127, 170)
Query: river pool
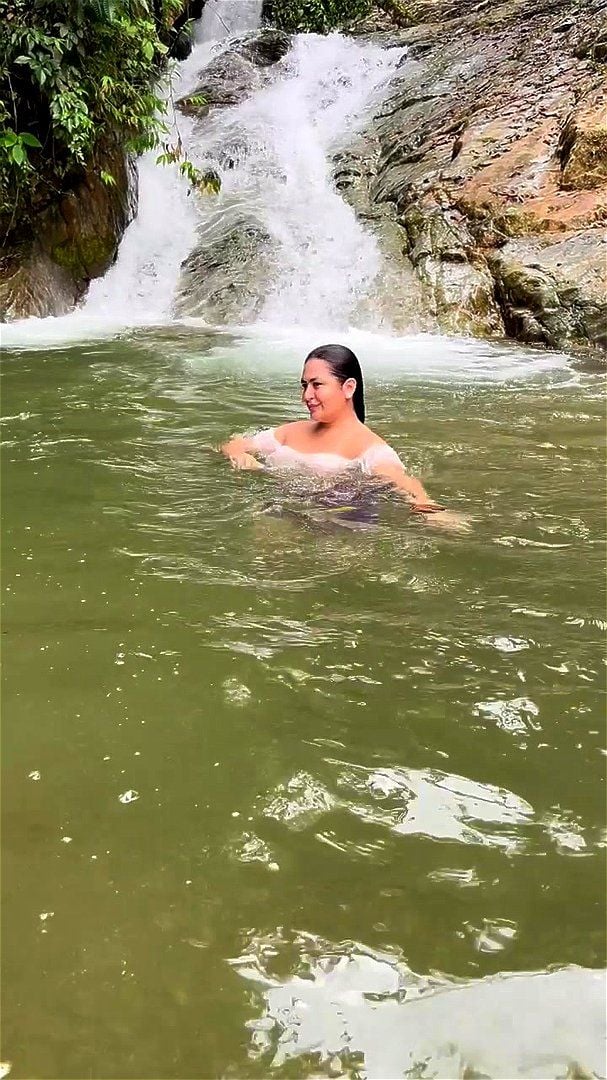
(283, 798)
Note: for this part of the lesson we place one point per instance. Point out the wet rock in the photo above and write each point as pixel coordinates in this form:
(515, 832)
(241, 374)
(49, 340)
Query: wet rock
(227, 80)
(398, 300)
(265, 48)
(181, 44)
(225, 277)
(591, 44)
(432, 235)
(48, 269)
(237, 72)
(553, 292)
(458, 285)
(31, 284)
(582, 146)
(490, 151)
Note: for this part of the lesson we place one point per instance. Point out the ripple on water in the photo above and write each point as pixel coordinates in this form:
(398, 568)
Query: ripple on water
(299, 801)
(517, 716)
(409, 802)
(422, 802)
(355, 1007)
(250, 848)
(428, 802)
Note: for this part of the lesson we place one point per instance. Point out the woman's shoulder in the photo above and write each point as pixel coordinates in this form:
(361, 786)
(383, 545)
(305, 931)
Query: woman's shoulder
(371, 441)
(378, 452)
(283, 432)
(371, 438)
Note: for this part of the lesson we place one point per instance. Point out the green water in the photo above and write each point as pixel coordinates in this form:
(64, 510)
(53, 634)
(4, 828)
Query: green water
(367, 764)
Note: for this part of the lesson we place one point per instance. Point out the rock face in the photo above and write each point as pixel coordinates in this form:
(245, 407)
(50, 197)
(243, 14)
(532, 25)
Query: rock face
(70, 242)
(487, 166)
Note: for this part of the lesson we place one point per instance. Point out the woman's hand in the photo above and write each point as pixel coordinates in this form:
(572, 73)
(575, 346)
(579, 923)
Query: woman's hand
(447, 519)
(244, 461)
(238, 453)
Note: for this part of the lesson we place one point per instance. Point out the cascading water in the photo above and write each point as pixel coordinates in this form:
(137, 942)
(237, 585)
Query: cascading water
(139, 288)
(322, 260)
(319, 260)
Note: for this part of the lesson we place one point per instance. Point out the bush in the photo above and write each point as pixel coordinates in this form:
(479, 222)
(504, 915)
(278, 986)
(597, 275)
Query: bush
(313, 16)
(74, 73)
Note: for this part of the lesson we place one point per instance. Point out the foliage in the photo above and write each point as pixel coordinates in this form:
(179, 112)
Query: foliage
(314, 16)
(74, 73)
(398, 11)
(321, 16)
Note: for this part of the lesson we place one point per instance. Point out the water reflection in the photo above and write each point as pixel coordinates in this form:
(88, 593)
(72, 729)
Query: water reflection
(427, 803)
(359, 1012)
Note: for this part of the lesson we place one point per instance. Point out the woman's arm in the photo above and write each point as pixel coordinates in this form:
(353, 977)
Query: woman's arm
(240, 450)
(418, 498)
(411, 488)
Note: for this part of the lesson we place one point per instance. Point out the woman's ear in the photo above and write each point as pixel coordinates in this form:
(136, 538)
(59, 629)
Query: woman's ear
(349, 388)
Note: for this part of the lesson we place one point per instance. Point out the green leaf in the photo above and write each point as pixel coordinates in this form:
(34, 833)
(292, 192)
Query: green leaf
(18, 154)
(30, 140)
(148, 50)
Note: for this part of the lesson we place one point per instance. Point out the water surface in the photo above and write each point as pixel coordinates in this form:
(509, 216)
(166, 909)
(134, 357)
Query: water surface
(283, 798)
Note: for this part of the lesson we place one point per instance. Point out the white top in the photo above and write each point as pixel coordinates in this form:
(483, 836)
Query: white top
(279, 456)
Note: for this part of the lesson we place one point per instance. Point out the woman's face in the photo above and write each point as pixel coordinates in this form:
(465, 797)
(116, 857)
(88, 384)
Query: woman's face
(324, 396)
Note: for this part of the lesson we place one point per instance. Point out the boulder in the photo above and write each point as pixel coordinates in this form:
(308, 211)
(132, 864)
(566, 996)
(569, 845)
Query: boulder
(553, 291)
(237, 72)
(264, 48)
(227, 80)
(225, 277)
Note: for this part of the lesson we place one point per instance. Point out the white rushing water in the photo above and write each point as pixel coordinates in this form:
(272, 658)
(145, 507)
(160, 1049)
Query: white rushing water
(279, 176)
(323, 257)
(326, 260)
(139, 288)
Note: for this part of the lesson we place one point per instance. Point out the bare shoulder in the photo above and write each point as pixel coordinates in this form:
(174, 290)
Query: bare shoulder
(373, 440)
(285, 431)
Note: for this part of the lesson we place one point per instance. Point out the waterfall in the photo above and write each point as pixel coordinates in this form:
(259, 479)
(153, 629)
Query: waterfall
(325, 260)
(317, 271)
(139, 287)
(321, 261)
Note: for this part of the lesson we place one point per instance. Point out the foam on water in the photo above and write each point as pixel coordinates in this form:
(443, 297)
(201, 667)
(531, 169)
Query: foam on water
(426, 357)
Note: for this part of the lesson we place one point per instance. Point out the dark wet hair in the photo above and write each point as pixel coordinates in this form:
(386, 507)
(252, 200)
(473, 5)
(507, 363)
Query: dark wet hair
(344, 365)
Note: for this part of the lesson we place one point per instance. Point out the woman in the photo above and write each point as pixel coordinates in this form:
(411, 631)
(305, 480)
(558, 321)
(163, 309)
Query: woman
(335, 438)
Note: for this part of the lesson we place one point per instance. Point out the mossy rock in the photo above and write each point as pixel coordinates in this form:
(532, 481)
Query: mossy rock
(587, 163)
(47, 268)
(583, 145)
(85, 256)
